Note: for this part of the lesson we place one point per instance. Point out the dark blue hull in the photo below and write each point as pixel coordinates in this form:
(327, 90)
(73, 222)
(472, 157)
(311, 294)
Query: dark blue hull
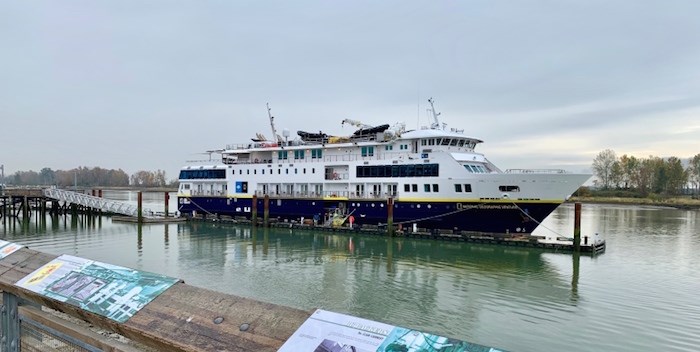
(492, 217)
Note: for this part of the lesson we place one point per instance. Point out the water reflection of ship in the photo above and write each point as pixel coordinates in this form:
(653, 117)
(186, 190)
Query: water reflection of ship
(447, 288)
(423, 274)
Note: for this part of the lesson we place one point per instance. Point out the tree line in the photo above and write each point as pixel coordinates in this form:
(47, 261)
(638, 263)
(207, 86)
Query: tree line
(89, 177)
(645, 176)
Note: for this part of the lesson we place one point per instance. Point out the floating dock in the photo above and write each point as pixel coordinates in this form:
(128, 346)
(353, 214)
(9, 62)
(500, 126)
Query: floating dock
(589, 244)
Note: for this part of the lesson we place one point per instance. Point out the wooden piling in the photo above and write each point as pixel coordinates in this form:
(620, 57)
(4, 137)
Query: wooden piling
(167, 199)
(139, 207)
(266, 211)
(390, 216)
(25, 208)
(254, 210)
(577, 227)
(99, 194)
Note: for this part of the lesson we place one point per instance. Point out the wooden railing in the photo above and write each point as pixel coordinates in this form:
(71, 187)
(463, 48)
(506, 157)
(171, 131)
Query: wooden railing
(183, 318)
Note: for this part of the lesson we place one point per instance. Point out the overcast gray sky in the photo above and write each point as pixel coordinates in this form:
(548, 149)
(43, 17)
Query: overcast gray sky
(149, 84)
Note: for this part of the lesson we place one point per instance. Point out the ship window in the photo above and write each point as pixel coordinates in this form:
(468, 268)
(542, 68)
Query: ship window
(282, 155)
(414, 187)
(201, 174)
(509, 188)
(410, 170)
(304, 170)
(299, 154)
(458, 188)
(461, 143)
(279, 171)
(313, 170)
(367, 151)
(187, 186)
(247, 172)
(316, 153)
(255, 172)
(407, 187)
(468, 188)
(435, 187)
(445, 141)
(426, 187)
(388, 147)
(453, 143)
(431, 141)
(262, 171)
(423, 142)
(286, 171)
(295, 171)
(419, 170)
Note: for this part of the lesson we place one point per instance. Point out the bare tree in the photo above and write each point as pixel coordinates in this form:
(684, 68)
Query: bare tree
(603, 167)
(694, 172)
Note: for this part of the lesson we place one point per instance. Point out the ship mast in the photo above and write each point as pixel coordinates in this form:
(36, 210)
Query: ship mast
(436, 124)
(276, 137)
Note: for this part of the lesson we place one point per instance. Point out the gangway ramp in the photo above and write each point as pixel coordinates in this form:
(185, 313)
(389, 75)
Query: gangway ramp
(106, 205)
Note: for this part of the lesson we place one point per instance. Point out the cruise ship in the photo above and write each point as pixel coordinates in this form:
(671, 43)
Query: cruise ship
(433, 177)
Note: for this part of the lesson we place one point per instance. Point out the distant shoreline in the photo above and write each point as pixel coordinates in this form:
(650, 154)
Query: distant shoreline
(678, 203)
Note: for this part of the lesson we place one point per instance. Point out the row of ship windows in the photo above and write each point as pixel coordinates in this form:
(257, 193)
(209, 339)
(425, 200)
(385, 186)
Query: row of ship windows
(477, 169)
(417, 170)
(459, 188)
(448, 142)
(299, 154)
(279, 171)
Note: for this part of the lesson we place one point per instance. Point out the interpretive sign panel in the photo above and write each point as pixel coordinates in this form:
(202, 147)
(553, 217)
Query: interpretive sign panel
(7, 248)
(333, 332)
(108, 290)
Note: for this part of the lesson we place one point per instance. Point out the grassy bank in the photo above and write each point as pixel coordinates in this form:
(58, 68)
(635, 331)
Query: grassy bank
(675, 202)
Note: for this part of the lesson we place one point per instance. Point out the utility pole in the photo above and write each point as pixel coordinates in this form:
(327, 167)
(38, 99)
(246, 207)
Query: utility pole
(2, 175)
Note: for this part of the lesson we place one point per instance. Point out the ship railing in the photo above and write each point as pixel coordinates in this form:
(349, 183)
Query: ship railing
(378, 155)
(535, 171)
(205, 161)
(336, 176)
(325, 194)
(208, 193)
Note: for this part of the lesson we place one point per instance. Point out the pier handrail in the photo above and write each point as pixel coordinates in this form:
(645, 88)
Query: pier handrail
(108, 205)
(183, 318)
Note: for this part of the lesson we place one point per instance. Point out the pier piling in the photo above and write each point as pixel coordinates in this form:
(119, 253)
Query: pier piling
(390, 216)
(266, 211)
(254, 210)
(167, 199)
(577, 227)
(140, 207)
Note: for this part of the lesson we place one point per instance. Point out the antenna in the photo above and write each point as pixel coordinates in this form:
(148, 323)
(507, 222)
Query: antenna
(436, 123)
(272, 124)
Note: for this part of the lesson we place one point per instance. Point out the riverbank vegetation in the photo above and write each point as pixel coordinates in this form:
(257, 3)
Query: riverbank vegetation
(90, 177)
(629, 176)
(644, 181)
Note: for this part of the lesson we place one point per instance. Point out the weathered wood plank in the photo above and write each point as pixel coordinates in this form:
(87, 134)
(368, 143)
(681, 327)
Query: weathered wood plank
(75, 331)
